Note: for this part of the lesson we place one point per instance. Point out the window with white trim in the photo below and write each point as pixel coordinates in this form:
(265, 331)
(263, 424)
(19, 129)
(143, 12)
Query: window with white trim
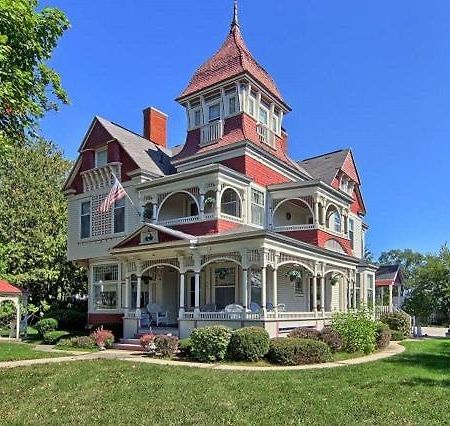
(232, 103)
(337, 222)
(101, 157)
(370, 289)
(351, 232)
(196, 117)
(214, 112)
(230, 203)
(251, 106)
(257, 207)
(119, 216)
(275, 124)
(106, 286)
(85, 219)
(264, 115)
(224, 286)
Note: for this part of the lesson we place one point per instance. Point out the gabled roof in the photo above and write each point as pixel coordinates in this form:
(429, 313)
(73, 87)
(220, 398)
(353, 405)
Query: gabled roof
(388, 275)
(326, 166)
(7, 288)
(231, 60)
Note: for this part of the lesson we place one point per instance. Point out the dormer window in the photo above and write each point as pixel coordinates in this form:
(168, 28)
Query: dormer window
(214, 112)
(101, 157)
(264, 115)
(197, 117)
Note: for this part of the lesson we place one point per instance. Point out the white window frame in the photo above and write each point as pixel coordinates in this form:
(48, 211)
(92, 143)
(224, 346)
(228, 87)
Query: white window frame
(194, 111)
(115, 208)
(89, 214)
(266, 110)
(115, 281)
(257, 208)
(252, 101)
(211, 105)
(351, 232)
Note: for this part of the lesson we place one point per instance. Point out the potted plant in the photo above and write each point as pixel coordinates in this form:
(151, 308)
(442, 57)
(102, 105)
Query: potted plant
(209, 201)
(147, 341)
(103, 338)
(334, 279)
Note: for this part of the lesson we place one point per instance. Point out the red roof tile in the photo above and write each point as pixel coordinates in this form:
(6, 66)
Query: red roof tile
(6, 287)
(231, 60)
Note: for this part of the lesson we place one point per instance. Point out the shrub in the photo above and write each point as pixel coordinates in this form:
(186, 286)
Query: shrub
(210, 344)
(103, 338)
(305, 333)
(249, 344)
(146, 339)
(357, 329)
(45, 325)
(332, 338)
(185, 347)
(69, 319)
(84, 342)
(166, 346)
(397, 336)
(398, 321)
(53, 337)
(383, 335)
(295, 351)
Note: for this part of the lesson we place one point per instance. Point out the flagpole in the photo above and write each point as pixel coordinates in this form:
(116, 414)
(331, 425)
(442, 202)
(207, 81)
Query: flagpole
(126, 193)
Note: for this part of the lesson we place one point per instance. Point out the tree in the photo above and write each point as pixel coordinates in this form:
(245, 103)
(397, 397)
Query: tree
(33, 214)
(407, 258)
(28, 86)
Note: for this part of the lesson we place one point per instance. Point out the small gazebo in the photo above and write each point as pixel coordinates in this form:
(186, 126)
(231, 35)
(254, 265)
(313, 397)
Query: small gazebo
(13, 294)
(390, 277)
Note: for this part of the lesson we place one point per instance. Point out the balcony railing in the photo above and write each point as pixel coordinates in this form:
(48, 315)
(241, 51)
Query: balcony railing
(100, 177)
(266, 135)
(179, 220)
(211, 132)
(300, 227)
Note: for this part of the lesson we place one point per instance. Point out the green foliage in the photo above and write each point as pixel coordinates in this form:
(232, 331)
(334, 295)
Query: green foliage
(296, 351)
(210, 344)
(398, 321)
(357, 329)
(33, 216)
(166, 346)
(53, 337)
(305, 333)
(45, 325)
(397, 336)
(248, 344)
(84, 342)
(28, 86)
(332, 338)
(383, 335)
(70, 317)
(185, 347)
(408, 259)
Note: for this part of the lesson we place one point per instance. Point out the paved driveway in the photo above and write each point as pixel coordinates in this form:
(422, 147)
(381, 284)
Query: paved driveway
(434, 331)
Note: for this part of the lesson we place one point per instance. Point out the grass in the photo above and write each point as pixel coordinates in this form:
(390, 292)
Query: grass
(410, 389)
(12, 351)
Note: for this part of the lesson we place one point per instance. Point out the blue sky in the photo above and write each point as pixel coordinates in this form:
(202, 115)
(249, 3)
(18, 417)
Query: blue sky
(370, 75)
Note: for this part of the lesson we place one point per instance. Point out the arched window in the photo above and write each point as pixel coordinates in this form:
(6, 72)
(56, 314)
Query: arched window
(334, 220)
(230, 203)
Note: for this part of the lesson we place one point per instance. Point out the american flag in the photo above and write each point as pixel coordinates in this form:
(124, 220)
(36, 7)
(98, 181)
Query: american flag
(117, 192)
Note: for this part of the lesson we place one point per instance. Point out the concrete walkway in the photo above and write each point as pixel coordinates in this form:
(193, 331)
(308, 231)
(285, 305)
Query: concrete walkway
(393, 349)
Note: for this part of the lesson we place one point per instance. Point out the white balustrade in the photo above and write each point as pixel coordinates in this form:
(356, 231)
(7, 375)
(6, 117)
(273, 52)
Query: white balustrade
(230, 316)
(300, 227)
(266, 135)
(179, 220)
(211, 132)
(231, 218)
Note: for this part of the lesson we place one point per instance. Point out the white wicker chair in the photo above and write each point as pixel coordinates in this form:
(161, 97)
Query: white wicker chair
(158, 314)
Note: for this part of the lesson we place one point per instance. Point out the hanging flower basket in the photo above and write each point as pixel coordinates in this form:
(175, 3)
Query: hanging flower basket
(334, 279)
(295, 274)
(209, 201)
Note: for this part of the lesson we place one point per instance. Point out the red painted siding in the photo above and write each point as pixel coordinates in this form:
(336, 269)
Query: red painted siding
(208, 227)
(105, 318)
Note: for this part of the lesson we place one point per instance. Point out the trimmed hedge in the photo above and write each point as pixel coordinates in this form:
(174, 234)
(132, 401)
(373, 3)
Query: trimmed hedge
(332, 338)
(397, 336)
(248, 344)
(45, 325)
(85, 342)
(295, 351)
(53, 337)
(166, 346)
(305, 333)
(210, 344)
(398, 321)
(383, 335)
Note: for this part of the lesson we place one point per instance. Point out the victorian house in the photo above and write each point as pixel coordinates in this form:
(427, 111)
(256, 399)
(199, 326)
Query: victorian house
(226, 228)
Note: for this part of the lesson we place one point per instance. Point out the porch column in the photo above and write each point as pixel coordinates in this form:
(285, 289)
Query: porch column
(316, 212)
(275, 290)
(217, 206)
(155, 210)
(344, 294)
(374, 296)
(354, 293)
(17, 319)
(197, 292)
(323, 210)
(244, 288)
(138, 293)
(314, 284)
(263, 289)
(127, 293)
(182, 294)
(322, 294)
(390, 298)
(349, 293)
(201, 213)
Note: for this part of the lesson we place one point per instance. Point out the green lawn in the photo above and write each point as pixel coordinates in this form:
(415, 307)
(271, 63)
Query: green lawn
(409, 389)
(11, 351)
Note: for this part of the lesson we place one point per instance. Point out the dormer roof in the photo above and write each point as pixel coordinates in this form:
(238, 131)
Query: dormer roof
(231, 60)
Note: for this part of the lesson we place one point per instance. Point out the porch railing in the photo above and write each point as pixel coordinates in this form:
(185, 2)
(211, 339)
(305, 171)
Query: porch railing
(179, 220)
(227, 316)
(300, 227)
(211, 132)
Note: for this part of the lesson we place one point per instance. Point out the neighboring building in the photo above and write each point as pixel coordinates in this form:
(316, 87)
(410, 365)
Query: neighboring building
(228, 218)
(389, 288)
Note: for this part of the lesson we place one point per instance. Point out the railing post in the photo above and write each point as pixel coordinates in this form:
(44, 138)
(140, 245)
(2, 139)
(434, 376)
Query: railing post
(244, 289)
(182, 294)
(138, 292)
(263, 290)
(315, 294)
(197, 293)
(275, 291)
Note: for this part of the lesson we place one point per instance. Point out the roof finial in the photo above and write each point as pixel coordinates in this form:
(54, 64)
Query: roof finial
(235, 22)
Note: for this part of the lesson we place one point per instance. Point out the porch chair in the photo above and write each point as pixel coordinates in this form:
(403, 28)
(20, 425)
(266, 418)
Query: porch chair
(234, 310)
(157, 314)
(254, 307)
(209, 307)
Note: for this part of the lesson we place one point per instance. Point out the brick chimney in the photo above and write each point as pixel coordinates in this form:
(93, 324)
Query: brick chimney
(155, 126)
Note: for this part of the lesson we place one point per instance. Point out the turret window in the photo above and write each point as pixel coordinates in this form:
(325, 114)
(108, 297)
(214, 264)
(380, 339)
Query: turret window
(232, 105)
(214, 112)
(197, 117)
(264, 116)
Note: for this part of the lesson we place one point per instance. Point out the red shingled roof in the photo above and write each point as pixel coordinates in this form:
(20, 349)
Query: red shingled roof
(6, 287)
(231, 60)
